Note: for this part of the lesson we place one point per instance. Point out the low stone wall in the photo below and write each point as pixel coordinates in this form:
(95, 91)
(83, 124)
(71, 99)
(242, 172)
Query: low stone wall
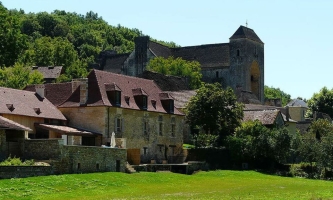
(42, 149)
(83, 159)
(24, 171)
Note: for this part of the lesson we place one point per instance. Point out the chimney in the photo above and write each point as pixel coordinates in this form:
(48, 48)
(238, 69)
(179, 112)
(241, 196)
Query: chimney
(83, 91)
(40, 90)
(287, 113)
(83, 84)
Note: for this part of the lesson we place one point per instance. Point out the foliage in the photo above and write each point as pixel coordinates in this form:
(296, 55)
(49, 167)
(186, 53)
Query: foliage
(12, 41)
(321, 102)
(19, 76)
(16, 162)
(71, 40)
(219, 184)
(214, 110)
(274, 93)
(255, 143)
(205, 140)
(177, 67)
(316, 146)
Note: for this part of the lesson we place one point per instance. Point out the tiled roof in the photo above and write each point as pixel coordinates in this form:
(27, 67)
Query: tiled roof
(297, 103)
(97, 95)
(244, 32)
(259, 107)
(49, 72)
(26, 103)
(166, 82)
(247, 97)
(9, 124)
(266, 117)
(56, 93)
(159, 49)
(181, 97)
(65, 129)
(209, 56)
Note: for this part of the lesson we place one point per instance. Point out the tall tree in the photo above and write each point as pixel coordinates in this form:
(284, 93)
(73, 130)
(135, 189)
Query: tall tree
(12, 41)
(177, 67)
(274, 93)
(321, 102)
(214, 110)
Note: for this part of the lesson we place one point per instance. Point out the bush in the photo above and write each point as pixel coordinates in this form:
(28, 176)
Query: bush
(16, 162)
(304, 170)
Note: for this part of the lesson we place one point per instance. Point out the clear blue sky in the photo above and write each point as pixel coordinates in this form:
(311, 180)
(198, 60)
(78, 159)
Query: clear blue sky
(297, 33)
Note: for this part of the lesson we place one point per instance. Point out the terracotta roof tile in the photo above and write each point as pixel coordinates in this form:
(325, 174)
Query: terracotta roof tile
(9, 124)
(49, 72)
(56, 93)
(65, 129)
(266, 117)
(25, 103)
(97, 95)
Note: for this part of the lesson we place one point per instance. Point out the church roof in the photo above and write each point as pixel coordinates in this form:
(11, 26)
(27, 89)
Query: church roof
(297, 103)
(244, 32)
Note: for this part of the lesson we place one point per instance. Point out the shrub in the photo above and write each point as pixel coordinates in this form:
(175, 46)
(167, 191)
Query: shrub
(16, 162)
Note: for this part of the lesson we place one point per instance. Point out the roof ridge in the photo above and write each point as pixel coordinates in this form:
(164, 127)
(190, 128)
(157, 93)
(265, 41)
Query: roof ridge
(201, 45)
(122, 75)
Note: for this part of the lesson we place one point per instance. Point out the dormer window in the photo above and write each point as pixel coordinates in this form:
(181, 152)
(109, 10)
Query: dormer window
(114, 94)
(167, 102)
(141, 98)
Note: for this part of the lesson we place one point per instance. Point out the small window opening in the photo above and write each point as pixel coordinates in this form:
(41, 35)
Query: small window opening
(160, 130)
(145, 150)
(173, 128)
(97, 166)
(118, 125)
(144, 102)
(252, 78)
(145, 128)
(78, 166)
(238, 52)
(217, 74)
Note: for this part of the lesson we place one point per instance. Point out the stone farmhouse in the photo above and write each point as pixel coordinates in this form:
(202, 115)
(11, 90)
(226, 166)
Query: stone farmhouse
(140, 114)
(239, 63)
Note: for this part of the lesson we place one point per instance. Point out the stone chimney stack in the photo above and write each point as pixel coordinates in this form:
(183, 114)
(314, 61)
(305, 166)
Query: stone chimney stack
(83, 91)
(40, 90)
(83, 84)
(287, 113)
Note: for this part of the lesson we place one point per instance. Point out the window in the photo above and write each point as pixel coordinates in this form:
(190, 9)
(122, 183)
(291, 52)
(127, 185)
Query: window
(117, 98)
(118, 124)
(171, 106)
(145, 128)
(144, 102)
(173, 128)
(217, 74)
(97, 166)
(78, 166)
(160, 129)
(238, 52)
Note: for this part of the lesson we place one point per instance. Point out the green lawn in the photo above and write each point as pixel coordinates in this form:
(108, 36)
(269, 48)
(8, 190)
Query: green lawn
(203, 185)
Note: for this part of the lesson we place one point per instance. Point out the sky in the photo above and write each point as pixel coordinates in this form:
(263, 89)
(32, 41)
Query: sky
(297, 33)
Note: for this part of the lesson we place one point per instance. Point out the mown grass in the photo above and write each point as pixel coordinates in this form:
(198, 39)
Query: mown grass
(203, 185)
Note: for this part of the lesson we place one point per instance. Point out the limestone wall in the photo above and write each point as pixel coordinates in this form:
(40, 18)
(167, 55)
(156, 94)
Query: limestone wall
(41, 149)
(24, 171)
(82, 159)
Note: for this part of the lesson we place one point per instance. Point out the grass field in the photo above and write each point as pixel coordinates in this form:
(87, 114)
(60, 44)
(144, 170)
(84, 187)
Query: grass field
(203, 185)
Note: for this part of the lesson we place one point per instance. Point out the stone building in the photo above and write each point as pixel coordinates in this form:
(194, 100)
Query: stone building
(137, 110)
(50, 73)
(239, 63)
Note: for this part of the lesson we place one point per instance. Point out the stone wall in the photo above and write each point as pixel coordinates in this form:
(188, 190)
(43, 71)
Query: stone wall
(83, 159)
(24, 171)
(152, 145)
(41, 149)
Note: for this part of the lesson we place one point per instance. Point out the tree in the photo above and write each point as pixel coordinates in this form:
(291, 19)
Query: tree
(274, 93)
(19, 76)
(214, 110)
(177, 67)
(257, 144)
(12, 41)
(321, 102)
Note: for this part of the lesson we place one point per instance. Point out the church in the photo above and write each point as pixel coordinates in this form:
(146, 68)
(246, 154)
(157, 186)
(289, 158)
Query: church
(238, 64)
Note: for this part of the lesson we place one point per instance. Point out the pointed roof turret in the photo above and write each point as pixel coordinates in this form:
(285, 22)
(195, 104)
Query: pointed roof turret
(244, 32)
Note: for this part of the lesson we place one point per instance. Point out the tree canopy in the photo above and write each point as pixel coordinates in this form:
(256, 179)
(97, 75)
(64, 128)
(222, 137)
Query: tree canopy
(214, 110)
(177, 67)
(274, 93)
(321, 102)
(61, 38)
